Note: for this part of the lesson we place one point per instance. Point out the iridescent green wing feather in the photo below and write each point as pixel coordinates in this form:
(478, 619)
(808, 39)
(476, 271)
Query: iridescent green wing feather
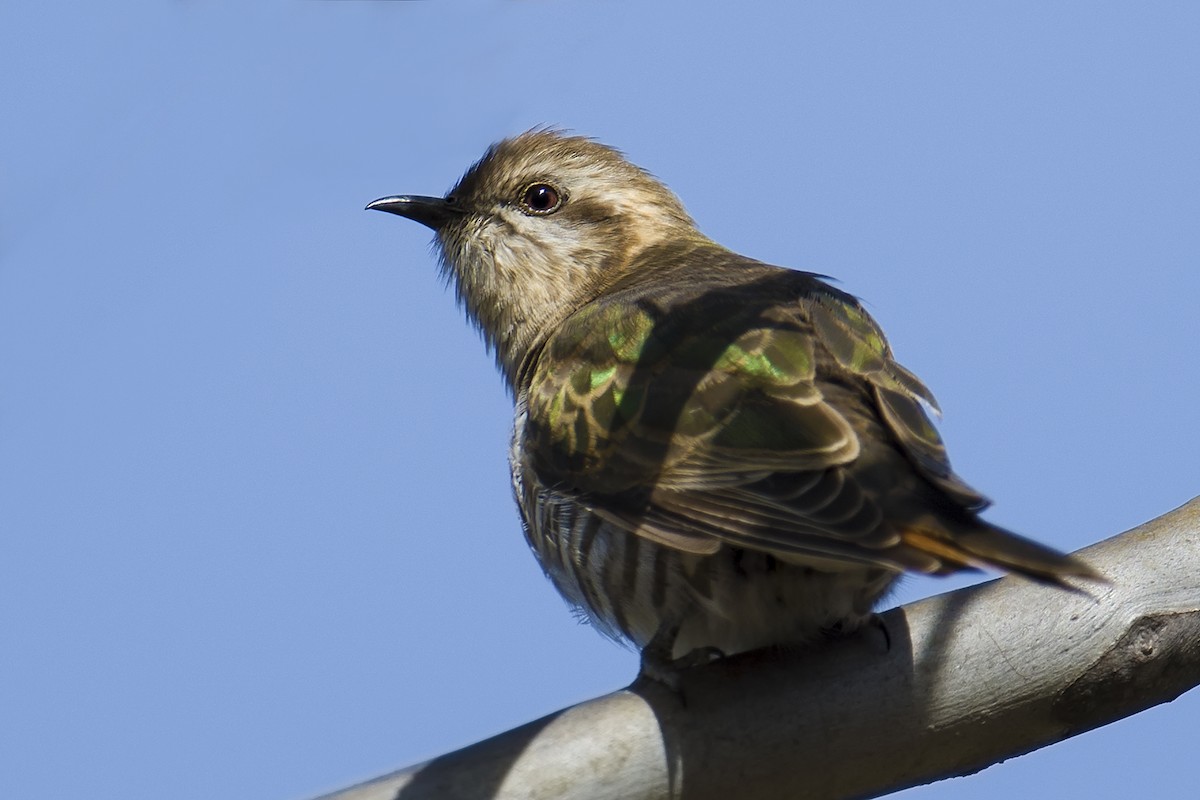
(629, 392)
(858, 345)
(662, 418)
(766, 413)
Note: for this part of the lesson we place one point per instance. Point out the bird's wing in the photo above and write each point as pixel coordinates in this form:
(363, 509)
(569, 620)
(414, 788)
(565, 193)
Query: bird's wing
(857, 344)
(730, 417)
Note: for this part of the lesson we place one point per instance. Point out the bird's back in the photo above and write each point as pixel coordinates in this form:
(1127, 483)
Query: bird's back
(711, 415)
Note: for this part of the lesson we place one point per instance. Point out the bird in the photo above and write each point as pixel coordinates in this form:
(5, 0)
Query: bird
(710, 454)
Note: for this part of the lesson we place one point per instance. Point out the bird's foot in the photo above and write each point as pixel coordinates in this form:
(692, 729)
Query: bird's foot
(662, 669)
(876, 621)
(860, 625)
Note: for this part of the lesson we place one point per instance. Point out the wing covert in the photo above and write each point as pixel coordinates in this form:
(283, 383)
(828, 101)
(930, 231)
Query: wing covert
(709, 419)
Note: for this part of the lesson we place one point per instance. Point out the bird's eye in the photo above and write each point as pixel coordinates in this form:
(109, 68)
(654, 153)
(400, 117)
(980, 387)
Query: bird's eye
(540, 198)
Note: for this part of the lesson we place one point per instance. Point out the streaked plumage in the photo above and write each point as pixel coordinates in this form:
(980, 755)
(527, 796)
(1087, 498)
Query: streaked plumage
(709, 452)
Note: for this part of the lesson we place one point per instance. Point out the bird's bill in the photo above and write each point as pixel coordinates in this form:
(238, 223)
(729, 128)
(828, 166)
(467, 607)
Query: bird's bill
(432, 212)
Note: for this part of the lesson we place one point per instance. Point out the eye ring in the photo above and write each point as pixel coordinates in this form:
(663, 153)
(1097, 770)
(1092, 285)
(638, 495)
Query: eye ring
(540, 198)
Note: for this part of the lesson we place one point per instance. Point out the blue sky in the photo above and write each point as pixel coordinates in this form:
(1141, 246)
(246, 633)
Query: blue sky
(257, 534)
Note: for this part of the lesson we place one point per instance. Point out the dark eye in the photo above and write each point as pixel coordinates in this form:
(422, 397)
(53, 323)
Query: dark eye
(540, 198)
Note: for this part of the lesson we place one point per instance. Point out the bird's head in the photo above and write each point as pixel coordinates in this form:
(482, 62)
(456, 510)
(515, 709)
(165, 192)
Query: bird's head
(539, 226)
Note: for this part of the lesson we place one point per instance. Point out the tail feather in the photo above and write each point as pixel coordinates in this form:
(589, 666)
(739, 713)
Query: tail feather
(981, 543)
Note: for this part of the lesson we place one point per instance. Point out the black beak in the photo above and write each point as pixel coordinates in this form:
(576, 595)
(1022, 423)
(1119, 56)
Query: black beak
(433, 212)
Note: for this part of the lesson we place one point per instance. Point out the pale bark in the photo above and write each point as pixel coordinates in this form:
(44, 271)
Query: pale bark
(945, 687)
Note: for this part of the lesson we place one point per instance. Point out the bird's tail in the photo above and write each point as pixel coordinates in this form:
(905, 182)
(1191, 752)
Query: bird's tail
(978, 543)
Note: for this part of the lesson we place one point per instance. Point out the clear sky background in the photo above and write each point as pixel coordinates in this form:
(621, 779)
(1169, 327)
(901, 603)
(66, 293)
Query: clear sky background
(256, 537)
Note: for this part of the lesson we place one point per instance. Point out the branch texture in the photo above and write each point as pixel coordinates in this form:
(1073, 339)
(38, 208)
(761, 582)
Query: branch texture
(944, 687)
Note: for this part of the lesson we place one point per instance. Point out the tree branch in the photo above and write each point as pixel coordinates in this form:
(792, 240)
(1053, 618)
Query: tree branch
(944, 687)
